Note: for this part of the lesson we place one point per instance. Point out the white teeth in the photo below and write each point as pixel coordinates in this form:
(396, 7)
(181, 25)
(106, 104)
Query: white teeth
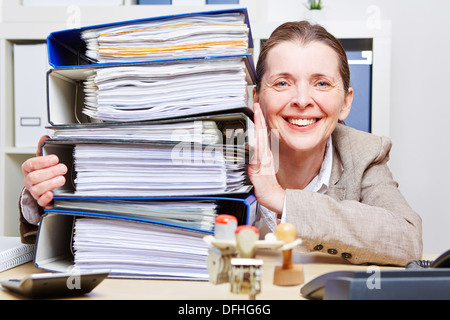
(301, 122)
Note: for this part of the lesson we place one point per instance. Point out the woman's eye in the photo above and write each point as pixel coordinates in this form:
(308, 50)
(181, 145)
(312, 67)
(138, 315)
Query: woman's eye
(322, 84)
(281, 84)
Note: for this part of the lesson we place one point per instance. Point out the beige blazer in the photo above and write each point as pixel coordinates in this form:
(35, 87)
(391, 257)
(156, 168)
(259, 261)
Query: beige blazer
(363, 217)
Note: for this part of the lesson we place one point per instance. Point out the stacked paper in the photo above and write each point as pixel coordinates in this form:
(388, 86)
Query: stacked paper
(201, 156)
(154, 170)
(196, 131)
(134, 249)
(171, 38)
(195, 214)
(156, 91)
(144, 190)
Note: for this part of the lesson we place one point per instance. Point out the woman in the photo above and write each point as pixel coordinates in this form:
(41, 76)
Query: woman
(330, 181)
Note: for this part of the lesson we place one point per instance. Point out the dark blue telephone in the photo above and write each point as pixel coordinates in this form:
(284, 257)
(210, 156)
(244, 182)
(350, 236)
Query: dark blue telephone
(421, 279)
(443, 261)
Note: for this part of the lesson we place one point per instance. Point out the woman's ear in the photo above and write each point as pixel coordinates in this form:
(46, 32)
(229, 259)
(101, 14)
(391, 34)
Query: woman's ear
(343, 114)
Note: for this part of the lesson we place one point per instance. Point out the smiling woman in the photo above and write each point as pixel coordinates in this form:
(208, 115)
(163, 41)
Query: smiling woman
(331, 181)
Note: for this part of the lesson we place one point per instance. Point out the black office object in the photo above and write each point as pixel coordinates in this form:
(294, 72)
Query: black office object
(56, 285)
(443, 261)
(421, 279)
(425, 284)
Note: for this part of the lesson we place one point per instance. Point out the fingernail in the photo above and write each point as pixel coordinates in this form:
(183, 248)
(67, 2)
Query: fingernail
(53, 158)
(62, 168)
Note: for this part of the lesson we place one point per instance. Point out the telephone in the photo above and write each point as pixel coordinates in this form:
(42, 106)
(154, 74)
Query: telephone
(420, 279)
(443, 261)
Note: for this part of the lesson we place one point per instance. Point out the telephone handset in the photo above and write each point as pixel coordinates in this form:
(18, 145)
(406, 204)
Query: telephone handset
(443, 261)
(424, 279)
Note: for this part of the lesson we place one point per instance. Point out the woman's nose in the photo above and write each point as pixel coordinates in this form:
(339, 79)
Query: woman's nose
(302, 97)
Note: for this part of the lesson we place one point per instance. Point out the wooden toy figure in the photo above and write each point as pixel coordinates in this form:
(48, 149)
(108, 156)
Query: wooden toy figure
(289, 274)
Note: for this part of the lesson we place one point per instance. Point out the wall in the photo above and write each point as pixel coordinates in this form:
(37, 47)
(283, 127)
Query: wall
(420, 109)
(419, 106)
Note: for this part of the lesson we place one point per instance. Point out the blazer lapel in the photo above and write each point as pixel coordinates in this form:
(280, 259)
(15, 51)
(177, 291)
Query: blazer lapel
(336, 190)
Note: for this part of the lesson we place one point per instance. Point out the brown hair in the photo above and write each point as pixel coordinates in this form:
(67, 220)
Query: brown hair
(304, 32)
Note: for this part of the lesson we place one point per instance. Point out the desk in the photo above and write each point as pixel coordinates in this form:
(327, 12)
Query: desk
(123, 289)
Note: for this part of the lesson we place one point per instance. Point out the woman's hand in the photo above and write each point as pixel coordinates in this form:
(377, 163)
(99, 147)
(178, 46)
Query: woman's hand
(42, 174)
(262, 168)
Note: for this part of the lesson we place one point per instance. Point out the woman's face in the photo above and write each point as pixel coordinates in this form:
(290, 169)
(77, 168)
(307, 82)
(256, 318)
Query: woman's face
(302, 94)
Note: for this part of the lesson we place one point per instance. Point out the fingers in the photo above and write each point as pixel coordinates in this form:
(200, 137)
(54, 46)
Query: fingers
(260, 122)
(262, 156)
(39, 188)
(262, 168)
(39, 163)
(259, 127)
(45, 199)
(41, 141)
(42, 175)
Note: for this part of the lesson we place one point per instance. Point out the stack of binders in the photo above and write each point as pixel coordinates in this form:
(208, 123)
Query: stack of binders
(153, 119)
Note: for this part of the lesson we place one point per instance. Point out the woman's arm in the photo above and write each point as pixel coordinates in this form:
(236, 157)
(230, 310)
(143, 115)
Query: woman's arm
(42, 174)
(368, 221)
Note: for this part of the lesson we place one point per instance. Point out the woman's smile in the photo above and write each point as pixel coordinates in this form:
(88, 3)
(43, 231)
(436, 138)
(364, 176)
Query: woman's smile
(301, 122)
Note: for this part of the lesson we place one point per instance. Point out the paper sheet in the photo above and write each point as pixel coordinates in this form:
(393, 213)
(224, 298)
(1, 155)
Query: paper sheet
(133, 248)
(198, 214)
(178, 37)
(154, 170)
(204, 132)
(156, 91)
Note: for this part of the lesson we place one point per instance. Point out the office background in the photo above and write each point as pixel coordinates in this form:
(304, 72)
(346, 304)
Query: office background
(410, 100)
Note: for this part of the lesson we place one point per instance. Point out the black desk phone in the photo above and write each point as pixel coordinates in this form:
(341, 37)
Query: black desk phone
(421, 279)
(443, 261)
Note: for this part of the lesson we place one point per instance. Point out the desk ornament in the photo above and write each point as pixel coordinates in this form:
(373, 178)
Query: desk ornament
(232, 259)
(289, 274)
(245, 273)
(222, 249)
